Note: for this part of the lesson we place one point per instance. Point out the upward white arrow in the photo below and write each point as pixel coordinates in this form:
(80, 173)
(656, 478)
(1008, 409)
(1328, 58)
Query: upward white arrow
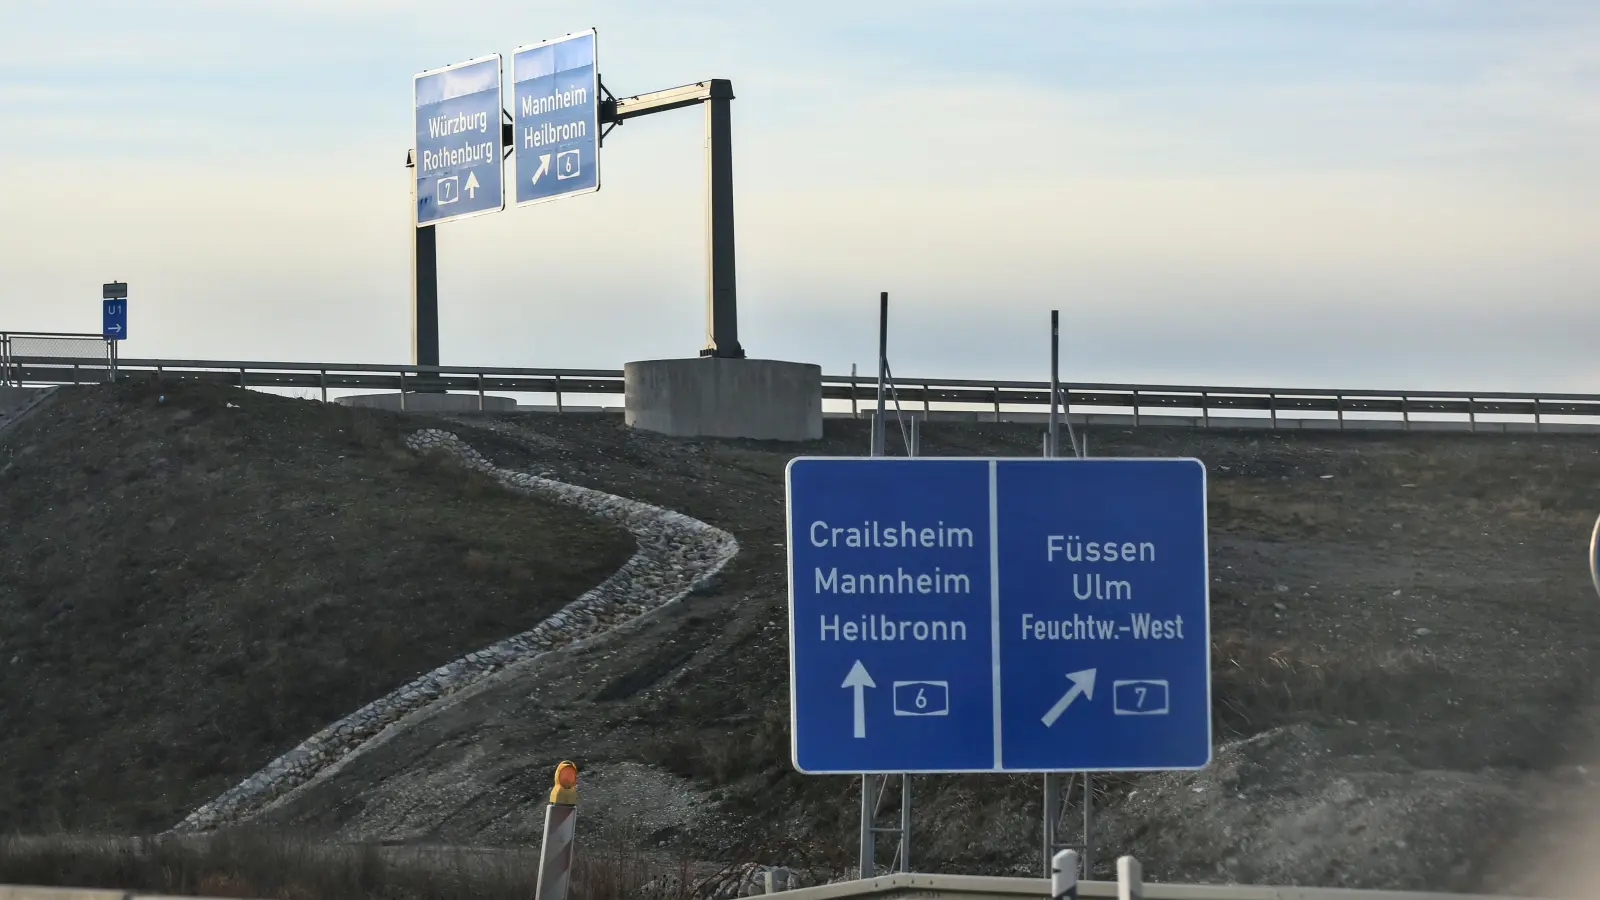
(860, 680)
(472, 185)
(1082, 683)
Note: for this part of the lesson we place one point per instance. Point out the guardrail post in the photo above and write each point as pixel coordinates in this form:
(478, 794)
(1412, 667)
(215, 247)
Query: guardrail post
(1272, 405)
(1205, 410)
(916, 436)
(402, 390)
(1136, 409)
(241, 378)
(1472, 414)
(1405, 413)
(558, 393)
(855, 412)
(1130, 879)
(1338, 409)
(1064, 876)
(927, 404)
(322, 381)
(1536, 425)
(997, 406)
(480, 392)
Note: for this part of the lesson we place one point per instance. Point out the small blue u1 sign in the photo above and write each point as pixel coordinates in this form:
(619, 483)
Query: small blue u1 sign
(114, 319)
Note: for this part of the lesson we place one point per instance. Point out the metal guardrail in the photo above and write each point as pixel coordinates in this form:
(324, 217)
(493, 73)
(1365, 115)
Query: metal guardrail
(973, 887)
(979, 398)
(934, 887)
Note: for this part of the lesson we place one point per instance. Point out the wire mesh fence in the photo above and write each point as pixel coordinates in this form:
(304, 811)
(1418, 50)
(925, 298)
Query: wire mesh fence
(56, 358)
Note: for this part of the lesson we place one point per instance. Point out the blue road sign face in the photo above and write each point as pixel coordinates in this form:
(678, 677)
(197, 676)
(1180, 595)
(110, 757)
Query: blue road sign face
(1017, 615)
(556, 114)
(458, 162)
(114, 319)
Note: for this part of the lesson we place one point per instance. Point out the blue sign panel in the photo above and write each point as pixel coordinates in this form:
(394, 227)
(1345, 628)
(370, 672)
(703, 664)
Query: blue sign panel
(458, 162)
(1017, 615)
(556, 114)
(114, 319)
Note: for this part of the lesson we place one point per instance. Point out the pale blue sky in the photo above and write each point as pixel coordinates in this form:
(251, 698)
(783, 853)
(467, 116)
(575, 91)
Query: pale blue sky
(1373, 193)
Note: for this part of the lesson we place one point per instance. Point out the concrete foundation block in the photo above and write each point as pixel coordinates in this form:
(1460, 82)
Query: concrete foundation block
(428, 402)
(759, 399)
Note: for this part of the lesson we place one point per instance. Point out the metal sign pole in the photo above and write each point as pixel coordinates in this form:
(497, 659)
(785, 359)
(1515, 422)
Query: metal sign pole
(1055, 383)
(869, 812)
(722, 302)
(424, 283)
(879, 424)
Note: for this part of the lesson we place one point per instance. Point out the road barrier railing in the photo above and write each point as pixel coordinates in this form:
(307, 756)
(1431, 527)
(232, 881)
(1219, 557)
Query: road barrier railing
(972, 399)
(913, 886)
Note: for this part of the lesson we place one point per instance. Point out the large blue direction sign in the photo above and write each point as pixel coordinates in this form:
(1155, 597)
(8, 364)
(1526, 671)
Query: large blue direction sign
(458, 162)
(982, 615)
(556, 114)
(114, 319)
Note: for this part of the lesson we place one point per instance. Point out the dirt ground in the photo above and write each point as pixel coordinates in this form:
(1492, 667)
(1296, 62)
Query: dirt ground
(1404, 674)
(1403, 623)
(192, 581)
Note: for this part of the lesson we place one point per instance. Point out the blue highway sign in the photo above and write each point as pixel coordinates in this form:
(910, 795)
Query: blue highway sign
(458, 162)
(556, 118)
(998, 615)
(114, 319)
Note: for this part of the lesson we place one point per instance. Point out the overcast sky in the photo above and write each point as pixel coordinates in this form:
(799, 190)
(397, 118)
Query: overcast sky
(1368, 193)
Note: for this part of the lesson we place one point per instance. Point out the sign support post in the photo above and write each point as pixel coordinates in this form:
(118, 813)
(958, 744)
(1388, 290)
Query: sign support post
(1058, 788)
(424, 288)
(114, 319)
(871, 790)
(722, 299)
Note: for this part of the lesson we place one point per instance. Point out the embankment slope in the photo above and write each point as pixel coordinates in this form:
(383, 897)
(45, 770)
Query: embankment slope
(193, 581)
(1403, 624)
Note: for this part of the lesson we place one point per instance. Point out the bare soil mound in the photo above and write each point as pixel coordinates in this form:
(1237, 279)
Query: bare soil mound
(1404, 637)
(194, 580)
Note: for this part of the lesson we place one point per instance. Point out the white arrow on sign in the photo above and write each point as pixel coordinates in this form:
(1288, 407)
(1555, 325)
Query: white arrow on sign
(860, 680)
(544, 166)
(1082, 683)
(115, 329)
(472, 185)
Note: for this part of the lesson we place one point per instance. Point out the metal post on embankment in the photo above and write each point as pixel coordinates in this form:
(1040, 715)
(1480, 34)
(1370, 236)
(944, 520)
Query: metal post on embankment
(1130, 879)
(560, 823)
(1064, 876)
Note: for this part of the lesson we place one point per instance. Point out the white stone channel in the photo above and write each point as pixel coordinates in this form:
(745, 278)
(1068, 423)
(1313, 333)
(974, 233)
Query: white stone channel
(675, 555)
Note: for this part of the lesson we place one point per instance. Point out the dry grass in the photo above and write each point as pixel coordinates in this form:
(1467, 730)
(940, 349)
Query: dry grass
(277, 867)
(1259, 684)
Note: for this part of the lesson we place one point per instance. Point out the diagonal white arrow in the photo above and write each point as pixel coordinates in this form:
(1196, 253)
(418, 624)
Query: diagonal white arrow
(1082, 683)
(544, 166)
